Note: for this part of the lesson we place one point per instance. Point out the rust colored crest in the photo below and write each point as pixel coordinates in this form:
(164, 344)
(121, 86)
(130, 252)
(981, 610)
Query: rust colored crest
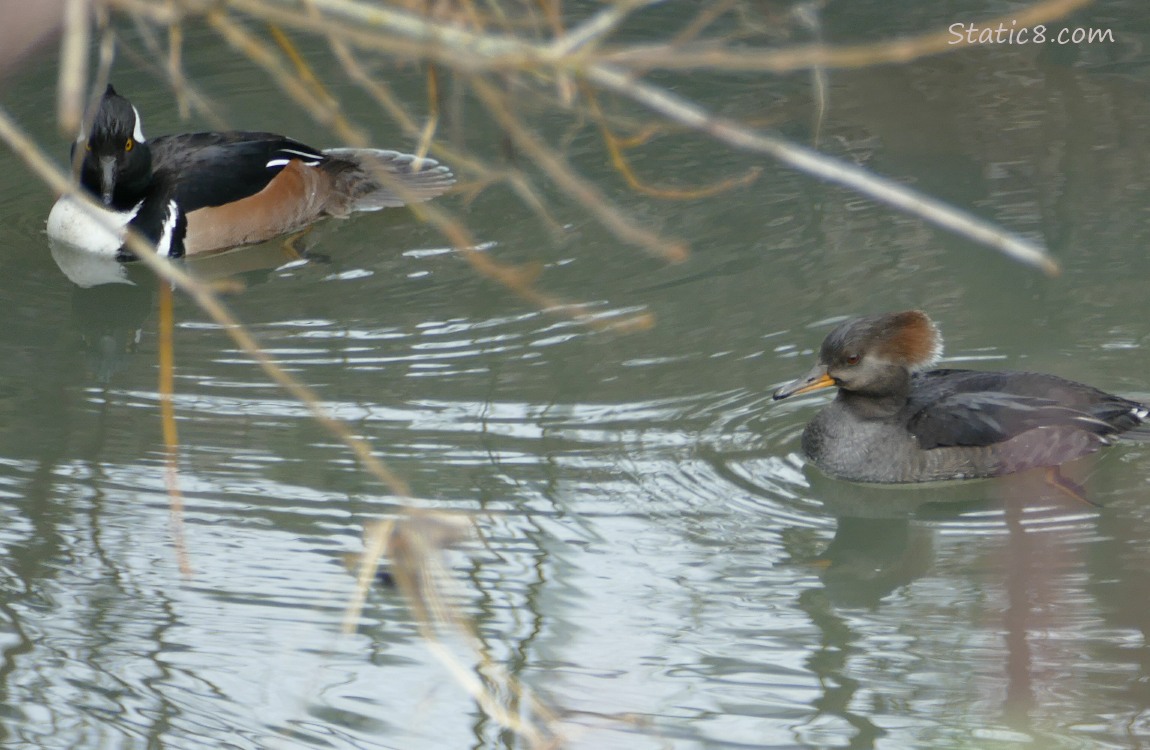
(909, 337)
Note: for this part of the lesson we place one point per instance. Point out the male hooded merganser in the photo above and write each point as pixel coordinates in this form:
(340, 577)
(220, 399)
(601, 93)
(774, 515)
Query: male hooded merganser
(199, 192)
(894, 420)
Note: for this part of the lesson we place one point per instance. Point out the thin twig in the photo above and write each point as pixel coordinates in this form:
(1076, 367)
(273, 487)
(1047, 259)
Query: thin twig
(574, 185)
(469, 52)
(73, 73)
(812, 162)
(187, 95)
(427, 135)
(474, 51)
(459, 160)
(176, 69)
(261, 54)
(789, 60)
(615, 146)
(596, 28)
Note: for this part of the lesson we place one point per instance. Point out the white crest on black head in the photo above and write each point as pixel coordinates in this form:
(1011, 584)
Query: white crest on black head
(138, 131)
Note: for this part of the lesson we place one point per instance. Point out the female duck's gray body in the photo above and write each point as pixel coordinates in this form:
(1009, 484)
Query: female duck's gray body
(895, 421)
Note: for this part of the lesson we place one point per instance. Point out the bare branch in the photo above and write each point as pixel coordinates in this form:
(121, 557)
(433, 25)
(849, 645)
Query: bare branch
(470, 51)
(812, 162)
(717, 57)
(566, 177)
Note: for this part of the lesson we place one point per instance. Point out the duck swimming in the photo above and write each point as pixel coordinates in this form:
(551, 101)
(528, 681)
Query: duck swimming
(895, 419)
(201, 192)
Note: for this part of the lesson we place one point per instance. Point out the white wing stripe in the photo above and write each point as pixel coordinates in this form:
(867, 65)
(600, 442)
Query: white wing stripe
(309, 161)
(306, 155)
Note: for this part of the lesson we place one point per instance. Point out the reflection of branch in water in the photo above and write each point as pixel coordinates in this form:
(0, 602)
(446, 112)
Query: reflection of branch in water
(168, 420)
(415, 544)
(831, 662)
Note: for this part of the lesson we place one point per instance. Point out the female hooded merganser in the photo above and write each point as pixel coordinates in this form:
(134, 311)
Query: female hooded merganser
(199, 192)
(894, 420)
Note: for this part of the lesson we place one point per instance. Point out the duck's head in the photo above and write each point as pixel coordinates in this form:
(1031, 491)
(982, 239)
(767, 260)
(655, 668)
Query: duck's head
(117, 163)
(872, 356)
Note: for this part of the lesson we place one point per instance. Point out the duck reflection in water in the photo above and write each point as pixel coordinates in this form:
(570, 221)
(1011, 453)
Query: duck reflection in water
(112, 301)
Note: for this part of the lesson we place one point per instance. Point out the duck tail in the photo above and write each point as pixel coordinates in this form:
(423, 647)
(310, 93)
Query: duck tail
(377, 178)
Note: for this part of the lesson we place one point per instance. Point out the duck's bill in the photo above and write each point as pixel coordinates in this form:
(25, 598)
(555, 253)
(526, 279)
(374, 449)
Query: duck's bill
(815, 380)
(107, 179)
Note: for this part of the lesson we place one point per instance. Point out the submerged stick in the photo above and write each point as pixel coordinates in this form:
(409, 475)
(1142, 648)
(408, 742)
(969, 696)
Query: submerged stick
(166, 325)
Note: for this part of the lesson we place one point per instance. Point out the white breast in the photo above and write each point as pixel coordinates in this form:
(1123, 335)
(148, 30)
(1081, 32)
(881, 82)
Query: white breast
(90, 228)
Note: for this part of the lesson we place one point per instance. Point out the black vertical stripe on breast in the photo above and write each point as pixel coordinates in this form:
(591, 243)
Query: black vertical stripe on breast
(149, 221)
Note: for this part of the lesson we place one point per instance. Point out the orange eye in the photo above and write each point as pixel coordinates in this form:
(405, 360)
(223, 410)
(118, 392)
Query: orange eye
(128, 145)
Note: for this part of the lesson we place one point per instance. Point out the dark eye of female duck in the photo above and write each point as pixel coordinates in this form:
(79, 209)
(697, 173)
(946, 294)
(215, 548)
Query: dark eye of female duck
(853, 359)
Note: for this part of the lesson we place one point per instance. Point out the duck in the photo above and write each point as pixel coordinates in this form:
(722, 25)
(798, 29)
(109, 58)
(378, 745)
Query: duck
(197, 193)
(898, 419)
